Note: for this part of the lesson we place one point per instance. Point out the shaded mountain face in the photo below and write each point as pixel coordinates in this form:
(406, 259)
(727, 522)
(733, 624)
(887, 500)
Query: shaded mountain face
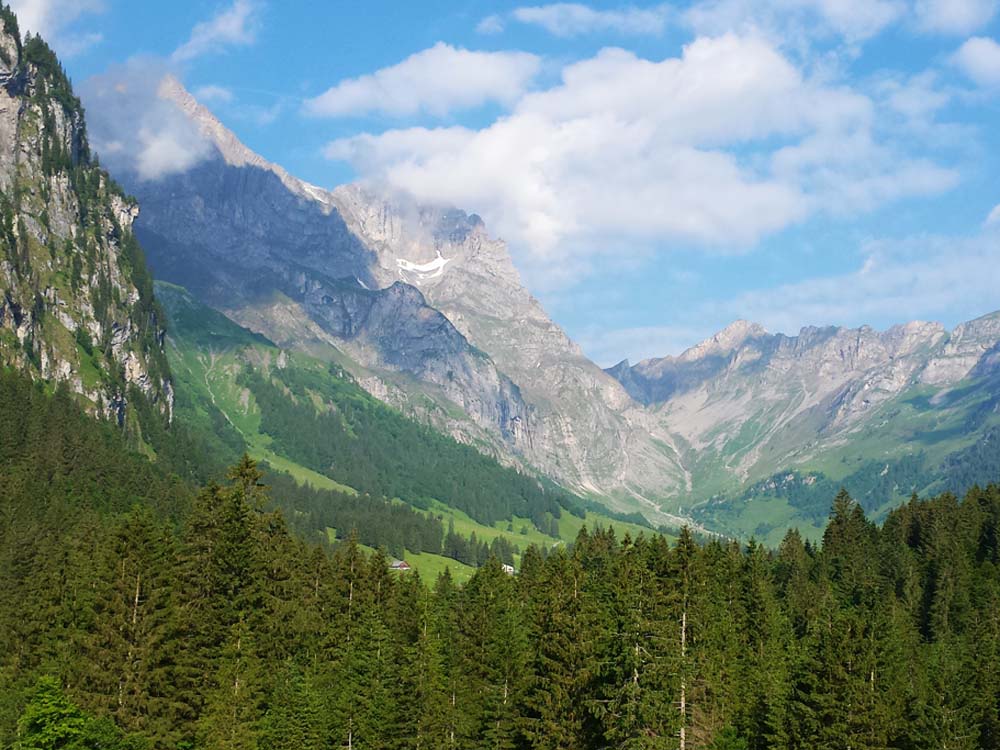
(425, 304)
(76, 301)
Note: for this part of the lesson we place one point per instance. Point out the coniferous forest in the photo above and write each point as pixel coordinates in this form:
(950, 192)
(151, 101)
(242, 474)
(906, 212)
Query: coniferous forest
(139, 612)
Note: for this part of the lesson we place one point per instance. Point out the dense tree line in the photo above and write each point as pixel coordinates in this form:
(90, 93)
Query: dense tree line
(210, 625)
(375, 522)
(52, 453)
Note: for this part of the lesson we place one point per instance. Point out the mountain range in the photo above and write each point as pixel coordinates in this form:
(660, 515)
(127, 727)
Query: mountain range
(428, 313)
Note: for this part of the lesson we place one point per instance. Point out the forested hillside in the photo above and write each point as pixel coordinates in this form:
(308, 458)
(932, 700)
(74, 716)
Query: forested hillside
(346, 460)
(131, 617)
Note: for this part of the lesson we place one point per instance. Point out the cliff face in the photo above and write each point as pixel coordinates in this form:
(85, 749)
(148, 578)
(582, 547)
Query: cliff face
(587, 432)
(76, 301)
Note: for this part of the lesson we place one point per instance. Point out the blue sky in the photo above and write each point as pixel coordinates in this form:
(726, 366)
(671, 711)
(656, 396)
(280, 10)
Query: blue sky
(658, 170)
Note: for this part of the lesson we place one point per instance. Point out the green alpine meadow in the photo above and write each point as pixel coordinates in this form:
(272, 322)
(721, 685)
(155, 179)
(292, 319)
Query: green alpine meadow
(476, 449)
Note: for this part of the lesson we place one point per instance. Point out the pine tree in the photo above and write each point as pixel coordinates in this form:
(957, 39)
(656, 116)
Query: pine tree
(562, 666)
(493, 658)
(421, 695)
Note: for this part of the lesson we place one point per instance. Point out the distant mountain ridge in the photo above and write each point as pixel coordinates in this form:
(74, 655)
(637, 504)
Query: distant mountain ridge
(747, 404)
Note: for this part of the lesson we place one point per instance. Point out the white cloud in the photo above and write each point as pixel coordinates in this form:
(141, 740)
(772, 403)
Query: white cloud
(235, 26)
(490, 25)
(719, 147)
(134, 129)
(52, 19)
(212, 93)
(993, 218)
(954, 16)
(790, 21)
(574, 19)
(917, 98)
(979, 58)
(436, 80)
(915, 278)
(844, 174)
(918, 278)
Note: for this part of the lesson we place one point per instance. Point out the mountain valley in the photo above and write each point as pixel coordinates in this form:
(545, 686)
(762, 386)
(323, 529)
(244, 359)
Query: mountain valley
(428, 313)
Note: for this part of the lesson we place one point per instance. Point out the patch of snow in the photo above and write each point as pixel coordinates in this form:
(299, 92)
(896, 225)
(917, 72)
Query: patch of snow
(424, 271)
(316, 193)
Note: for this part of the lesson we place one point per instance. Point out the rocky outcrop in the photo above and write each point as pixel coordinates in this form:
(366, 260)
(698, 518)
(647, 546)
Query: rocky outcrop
(588, 432)
(273, 253)
(76, 302)
(968, 346)
(751, 402)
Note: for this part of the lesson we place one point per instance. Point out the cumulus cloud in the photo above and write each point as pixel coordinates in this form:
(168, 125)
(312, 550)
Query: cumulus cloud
(436, 80)
(574, 19)
(718, 147)
(134, 129)
(916, 278)
(993, 219)
(979, 58)
(234, 26)
(785, 20)
(917, 98)
(54, 19)
(954, 16)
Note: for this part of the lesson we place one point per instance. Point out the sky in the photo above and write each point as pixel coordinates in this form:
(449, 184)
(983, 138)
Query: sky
(658, 170)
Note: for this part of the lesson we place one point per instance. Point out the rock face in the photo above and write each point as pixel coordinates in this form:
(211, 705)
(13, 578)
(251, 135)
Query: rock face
(76, 302)
(587, 432)
(400, 288)
(750, 402)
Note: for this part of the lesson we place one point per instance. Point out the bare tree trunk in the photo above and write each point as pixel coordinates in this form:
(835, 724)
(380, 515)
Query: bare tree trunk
(683, 685)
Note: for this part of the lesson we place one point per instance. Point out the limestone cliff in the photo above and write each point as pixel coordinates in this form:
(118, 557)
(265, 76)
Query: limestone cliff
(76, 301)
(746, 402)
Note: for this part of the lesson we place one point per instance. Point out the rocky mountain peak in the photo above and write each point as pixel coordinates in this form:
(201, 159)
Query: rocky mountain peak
(229, 147)
(726, 341)
(238, 228)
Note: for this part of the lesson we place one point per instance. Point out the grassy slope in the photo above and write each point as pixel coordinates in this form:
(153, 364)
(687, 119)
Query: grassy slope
(934, 422)
(207, 353)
